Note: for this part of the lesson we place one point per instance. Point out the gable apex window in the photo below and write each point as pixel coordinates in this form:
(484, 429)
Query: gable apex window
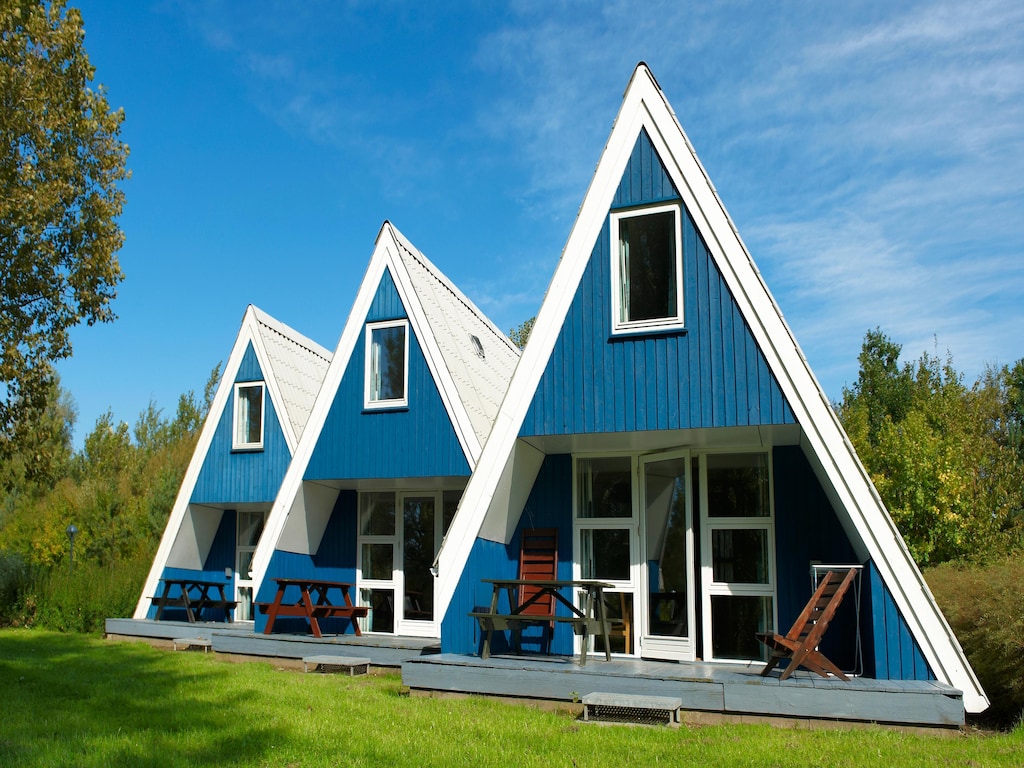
(247, 430)
(647, 269)
(387, 364)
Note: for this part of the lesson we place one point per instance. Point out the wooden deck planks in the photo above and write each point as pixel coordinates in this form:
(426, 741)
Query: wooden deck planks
(718, 688)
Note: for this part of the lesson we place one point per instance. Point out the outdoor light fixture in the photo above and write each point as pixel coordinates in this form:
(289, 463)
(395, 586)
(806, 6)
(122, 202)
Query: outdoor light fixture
(72, 530)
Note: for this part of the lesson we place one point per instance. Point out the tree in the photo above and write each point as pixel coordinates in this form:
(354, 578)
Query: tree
(938, 453)
(883, 388)
(61, 164)
(521, 333)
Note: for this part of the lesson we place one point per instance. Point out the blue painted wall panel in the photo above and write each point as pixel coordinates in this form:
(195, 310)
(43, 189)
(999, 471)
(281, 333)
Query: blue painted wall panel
(220, 556)
(417, 441)
(335, 560)
(233, 477)
(710, 375)
(806, 529)
(895, 655)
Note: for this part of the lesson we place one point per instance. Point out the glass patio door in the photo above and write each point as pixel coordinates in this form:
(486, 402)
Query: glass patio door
(399, 534)
(669, 604)
(606, 542)
(248, 528)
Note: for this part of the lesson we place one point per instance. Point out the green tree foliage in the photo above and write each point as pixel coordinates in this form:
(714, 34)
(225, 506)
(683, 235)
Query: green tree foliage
(61, 164)
(940, 453)
(521, 333)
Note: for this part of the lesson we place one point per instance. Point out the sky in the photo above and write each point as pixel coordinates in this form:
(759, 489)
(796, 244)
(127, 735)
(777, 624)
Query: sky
(871, 155)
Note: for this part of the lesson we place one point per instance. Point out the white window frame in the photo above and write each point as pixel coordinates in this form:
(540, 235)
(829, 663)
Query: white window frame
(236, 444)
(368, 401)
(402, 625)
(632, 585)
(633, 326)
(708, 524)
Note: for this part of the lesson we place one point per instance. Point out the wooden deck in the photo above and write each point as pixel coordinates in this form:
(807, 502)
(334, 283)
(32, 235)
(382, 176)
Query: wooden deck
(731, 690)
(239, 639)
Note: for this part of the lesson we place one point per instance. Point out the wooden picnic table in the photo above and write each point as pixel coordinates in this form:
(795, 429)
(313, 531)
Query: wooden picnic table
(313, 603)
(589, 620)
(194, 595)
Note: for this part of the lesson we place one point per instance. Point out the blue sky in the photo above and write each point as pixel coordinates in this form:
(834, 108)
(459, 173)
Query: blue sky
(871, 155)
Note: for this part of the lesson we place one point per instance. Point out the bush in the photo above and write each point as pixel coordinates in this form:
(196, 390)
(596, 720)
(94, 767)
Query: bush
(82, 601)
(985, 607)
(14, 583)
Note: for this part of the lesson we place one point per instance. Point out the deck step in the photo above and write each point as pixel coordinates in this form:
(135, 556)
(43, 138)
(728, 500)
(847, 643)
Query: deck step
(629, 708)
(354, 665)
(184, 643)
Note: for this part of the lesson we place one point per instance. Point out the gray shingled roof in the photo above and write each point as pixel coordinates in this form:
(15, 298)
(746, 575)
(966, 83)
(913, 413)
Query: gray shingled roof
(481, 369)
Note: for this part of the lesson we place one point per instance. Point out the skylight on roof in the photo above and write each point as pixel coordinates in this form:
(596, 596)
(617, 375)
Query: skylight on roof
(478, 348)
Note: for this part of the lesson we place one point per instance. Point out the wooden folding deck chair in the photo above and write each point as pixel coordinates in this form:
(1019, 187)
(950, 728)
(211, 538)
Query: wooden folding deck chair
(800, 644)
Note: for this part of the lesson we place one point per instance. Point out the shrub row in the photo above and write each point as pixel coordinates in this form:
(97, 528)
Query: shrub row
(59, 599)
(985, 607)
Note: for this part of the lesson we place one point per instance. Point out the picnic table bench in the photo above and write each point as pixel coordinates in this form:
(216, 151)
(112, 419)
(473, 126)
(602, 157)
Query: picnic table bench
(313, 603)
(590, 620)
(194, 595)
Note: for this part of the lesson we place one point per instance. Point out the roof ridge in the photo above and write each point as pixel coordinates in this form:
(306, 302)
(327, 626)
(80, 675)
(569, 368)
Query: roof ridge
(446, 282)
(289, 333)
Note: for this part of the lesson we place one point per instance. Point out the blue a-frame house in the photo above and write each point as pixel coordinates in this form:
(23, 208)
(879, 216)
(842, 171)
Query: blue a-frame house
(406, 406)
(664, 420)
(260, 408)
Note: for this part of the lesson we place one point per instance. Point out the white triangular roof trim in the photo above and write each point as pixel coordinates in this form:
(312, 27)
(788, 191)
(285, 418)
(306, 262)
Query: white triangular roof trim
(418, 283)
(278, 349)
(857, 503)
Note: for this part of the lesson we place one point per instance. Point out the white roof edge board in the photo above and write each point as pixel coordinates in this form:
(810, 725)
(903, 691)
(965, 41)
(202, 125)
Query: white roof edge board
(453, 404)
(291, 485)
(485, 493)
(382, 259)
(224, 391)
(644, 105)
(290, 333)
(843, 468)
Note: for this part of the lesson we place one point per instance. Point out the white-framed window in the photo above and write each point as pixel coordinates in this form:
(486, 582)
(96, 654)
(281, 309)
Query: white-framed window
(738, 553)
(248, 422)
(605, 543)
(647, 269)
(387, 364)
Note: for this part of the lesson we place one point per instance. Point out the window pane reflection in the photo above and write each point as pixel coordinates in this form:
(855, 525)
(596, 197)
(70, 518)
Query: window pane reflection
(740, 556)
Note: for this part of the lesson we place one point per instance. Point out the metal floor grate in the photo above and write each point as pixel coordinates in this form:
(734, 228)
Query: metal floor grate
(624, 708)
(605, 713)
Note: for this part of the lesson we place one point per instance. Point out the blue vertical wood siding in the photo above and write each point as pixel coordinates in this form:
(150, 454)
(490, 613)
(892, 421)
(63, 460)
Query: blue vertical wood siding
(233, 477)
(549, 506)
(891, 653)
(334, 560)
(417, 441)
(806, 529)
(711, 374)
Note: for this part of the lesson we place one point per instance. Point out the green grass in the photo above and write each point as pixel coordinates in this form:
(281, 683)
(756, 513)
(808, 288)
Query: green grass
(74, 700)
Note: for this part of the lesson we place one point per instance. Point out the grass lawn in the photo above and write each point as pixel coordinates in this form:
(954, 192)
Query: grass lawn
(73, 700)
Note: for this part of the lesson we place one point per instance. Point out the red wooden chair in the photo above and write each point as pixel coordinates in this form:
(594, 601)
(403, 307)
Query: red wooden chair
(800, 644)
(538, 559)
